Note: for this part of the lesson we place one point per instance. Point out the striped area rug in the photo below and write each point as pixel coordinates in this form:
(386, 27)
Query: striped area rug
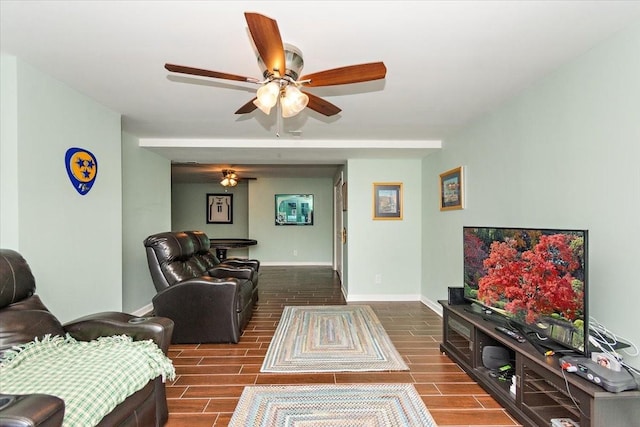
(370, 405)
(331, 339)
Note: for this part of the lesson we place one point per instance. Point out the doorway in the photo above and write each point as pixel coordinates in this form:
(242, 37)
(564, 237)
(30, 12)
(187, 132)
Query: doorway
(338, 231)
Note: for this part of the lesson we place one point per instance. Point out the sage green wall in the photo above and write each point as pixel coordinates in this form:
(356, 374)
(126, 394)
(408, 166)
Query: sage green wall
(146, 209)
(8, 153)
(565, 153)
(388, 248)
(314, 244)
(253, 218)
(77, 264)
(189, 211)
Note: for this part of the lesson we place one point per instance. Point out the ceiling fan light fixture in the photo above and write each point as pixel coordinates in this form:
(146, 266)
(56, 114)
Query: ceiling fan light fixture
(230, 179)
(264, 108)
(293, 101)
(229, 182)
(267, 96)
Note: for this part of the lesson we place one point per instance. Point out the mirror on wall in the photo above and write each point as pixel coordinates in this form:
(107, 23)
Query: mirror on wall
(294, 209)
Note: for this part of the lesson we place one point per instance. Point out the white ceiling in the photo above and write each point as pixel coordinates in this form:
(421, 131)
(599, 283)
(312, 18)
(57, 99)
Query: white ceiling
(448, 62)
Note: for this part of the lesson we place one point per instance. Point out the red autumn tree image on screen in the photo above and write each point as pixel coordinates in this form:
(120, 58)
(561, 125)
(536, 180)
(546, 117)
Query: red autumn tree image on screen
(537, 281)
(532, 279)
(528, 275)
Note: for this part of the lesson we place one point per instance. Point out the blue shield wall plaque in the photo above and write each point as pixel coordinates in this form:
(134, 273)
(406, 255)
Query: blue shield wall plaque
(82, 168)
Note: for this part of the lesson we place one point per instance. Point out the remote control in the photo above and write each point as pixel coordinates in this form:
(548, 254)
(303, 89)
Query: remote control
(511, 334)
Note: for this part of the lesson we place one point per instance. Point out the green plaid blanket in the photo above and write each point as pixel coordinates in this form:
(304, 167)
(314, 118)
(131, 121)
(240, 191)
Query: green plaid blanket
(91, 377)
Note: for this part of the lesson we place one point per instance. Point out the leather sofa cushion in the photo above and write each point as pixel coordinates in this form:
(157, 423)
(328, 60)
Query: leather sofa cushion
(17, 281)
(19, 327)
(23, 316)
(179, 271)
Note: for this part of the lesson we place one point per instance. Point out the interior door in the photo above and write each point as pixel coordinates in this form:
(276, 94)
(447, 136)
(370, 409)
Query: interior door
(338, 225)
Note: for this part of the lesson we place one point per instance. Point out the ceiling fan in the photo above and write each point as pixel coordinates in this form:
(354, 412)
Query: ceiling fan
(229, 178)
(281, 65)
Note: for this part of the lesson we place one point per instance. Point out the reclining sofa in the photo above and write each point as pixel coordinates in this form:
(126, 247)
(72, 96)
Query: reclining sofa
(24, 317)
(209, 301)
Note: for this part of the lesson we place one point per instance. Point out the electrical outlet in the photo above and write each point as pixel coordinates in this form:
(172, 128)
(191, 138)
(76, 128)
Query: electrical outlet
(295, 252)
(378, 279)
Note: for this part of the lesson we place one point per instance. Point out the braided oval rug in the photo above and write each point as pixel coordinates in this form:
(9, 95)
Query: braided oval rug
(332, 405)
(331, 339)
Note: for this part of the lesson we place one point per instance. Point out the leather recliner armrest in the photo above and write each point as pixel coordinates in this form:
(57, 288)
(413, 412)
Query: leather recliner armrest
(253, 263)
(225, 288)
(158, 329)
(41, 410)
(222, 272)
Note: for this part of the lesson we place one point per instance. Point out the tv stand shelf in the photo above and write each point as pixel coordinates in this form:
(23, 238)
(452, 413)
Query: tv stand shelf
(543, 391)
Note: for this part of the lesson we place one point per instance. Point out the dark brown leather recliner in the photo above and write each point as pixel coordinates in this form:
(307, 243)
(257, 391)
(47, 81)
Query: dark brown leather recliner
(208, 305)
(202, 247)
(24, 317)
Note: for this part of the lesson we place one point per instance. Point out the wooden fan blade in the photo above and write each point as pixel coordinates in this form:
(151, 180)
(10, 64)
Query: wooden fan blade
(345, 75)
(321, 106)
(266, 36)
(247, 108)
(207, 73)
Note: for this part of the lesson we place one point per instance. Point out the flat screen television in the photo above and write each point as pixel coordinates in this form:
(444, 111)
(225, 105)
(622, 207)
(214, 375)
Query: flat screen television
(536, 279)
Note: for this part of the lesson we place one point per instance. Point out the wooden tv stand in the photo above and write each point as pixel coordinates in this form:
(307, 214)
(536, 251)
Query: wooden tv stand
(541, 392)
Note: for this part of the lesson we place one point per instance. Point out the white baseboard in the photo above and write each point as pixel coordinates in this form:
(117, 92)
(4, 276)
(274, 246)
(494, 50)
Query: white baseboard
(432, 305)
(292, 263)
(397, 298)
(383, 297)
(351, 298)
(143, 310)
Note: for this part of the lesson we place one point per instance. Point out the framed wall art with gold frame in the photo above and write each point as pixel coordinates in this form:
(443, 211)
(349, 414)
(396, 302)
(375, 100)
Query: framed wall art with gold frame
(451, 190)
(387, 200)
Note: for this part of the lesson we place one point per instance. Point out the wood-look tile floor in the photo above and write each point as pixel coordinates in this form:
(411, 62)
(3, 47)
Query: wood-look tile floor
(211, 377)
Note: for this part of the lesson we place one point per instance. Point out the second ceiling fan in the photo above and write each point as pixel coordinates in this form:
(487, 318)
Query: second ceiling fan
(281, 65)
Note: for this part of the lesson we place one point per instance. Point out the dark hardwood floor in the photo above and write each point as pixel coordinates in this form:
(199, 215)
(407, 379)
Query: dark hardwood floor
(211, 377)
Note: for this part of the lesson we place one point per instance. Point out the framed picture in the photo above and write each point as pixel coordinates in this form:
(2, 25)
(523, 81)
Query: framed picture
(219, 208)
(451, 190)
(387, 200)
(294, 209)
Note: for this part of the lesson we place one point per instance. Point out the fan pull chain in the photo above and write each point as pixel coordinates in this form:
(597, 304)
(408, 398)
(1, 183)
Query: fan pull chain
(278, 118)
